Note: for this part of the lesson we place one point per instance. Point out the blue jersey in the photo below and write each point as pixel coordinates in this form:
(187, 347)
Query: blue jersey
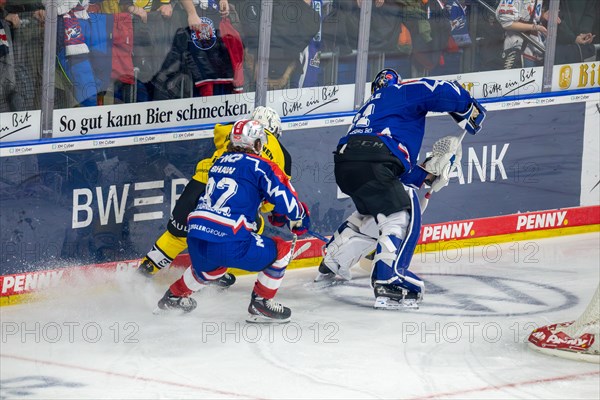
(237, 185)
(397, 113)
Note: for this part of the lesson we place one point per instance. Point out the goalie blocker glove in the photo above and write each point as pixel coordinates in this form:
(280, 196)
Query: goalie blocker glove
(472, 119)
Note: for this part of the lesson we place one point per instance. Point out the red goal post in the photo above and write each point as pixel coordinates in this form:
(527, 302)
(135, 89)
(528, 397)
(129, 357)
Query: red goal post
(575, 340)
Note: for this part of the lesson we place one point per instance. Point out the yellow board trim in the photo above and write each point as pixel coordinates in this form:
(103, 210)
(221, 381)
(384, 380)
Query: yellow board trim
(511, 237)
(422, 248)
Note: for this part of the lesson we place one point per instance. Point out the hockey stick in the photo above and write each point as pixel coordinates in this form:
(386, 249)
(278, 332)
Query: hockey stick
(293, 245)
(301, 250)
(318, 236)
(425, 200)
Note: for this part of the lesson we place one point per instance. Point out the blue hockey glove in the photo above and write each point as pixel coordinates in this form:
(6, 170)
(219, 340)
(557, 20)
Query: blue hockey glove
(472, 119)
(301, 226)
(277, 219)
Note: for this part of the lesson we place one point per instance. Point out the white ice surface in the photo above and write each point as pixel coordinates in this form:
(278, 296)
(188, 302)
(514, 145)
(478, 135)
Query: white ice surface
(466, 341)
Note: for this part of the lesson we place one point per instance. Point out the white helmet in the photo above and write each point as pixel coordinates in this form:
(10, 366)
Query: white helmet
(246, 133)
(269, 119)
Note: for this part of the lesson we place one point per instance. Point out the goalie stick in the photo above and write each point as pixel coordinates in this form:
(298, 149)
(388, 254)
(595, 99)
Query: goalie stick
(425, 200)
(318, 236)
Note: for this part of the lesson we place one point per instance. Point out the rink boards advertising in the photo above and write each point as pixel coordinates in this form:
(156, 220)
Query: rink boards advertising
(104, 200)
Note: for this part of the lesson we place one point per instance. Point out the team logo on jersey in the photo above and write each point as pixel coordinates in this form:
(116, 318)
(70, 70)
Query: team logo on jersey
(3, 38)
(316, 60)
(206, 37)
(72, 33)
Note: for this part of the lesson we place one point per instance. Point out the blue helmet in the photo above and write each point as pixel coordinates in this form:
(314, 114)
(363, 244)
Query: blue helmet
(385, 77)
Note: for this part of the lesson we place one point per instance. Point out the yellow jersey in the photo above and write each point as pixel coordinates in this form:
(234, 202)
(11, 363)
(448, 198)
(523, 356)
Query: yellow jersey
(273, 151)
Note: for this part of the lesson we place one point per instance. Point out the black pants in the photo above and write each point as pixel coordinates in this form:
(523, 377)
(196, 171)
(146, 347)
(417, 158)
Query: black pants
(186, 203)
(368, 172)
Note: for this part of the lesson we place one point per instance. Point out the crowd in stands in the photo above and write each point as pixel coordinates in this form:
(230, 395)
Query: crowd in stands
(123, 51)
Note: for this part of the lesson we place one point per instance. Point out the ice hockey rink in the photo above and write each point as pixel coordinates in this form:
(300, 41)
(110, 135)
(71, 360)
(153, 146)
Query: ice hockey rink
(468, 340)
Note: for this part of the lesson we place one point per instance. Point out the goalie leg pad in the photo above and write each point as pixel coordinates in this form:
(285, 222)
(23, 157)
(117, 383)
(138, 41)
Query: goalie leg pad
(354, 239)
(390, 244)
(395, 248)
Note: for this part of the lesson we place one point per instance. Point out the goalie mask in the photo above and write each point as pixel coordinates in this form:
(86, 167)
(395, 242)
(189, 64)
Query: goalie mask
(269, 119)
(386, 77)
(248, 134)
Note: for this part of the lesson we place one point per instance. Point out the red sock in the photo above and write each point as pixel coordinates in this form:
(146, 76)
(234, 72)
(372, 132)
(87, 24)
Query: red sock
(180, 289)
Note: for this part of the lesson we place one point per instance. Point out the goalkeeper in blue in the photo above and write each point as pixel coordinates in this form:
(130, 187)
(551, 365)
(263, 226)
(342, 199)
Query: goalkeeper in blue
(221, 230)
(376, 165)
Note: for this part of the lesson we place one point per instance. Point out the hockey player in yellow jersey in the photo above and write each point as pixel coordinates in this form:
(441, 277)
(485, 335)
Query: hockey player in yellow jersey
(173, 240)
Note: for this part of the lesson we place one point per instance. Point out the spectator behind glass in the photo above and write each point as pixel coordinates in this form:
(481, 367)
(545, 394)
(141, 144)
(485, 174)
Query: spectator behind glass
(154, 25)
(13, 54)
(489, 42)
(194, 22)
(28, 50)
(17, 7)
(8, 93)
(294, 24)
(208, 51)
(574, 40)
(522, 17)
(141, 8)
(430, 58)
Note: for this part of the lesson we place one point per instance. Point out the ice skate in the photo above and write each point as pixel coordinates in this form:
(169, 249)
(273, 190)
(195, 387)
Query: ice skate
(394, 297)
(170, 302)
(147, 268)
(267, 311)
(325, 274)
(223, 282)
(325, 279)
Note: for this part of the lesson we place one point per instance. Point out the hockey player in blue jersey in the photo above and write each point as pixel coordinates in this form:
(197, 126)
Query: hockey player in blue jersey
(222, 227)
(376, 165)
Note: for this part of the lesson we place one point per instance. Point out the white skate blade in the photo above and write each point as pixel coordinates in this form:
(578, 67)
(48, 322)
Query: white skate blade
(215, 285)
(261, 319)
(323, 281)
(159, 311)
(169, 311)
(385, 303)
(325, 277)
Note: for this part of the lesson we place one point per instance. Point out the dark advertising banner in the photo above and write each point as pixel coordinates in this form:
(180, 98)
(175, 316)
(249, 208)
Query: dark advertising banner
(110, 204)
(523, 160)
(90, 206)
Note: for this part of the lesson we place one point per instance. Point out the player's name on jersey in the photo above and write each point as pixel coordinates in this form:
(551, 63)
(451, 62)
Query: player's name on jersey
(222, 169)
